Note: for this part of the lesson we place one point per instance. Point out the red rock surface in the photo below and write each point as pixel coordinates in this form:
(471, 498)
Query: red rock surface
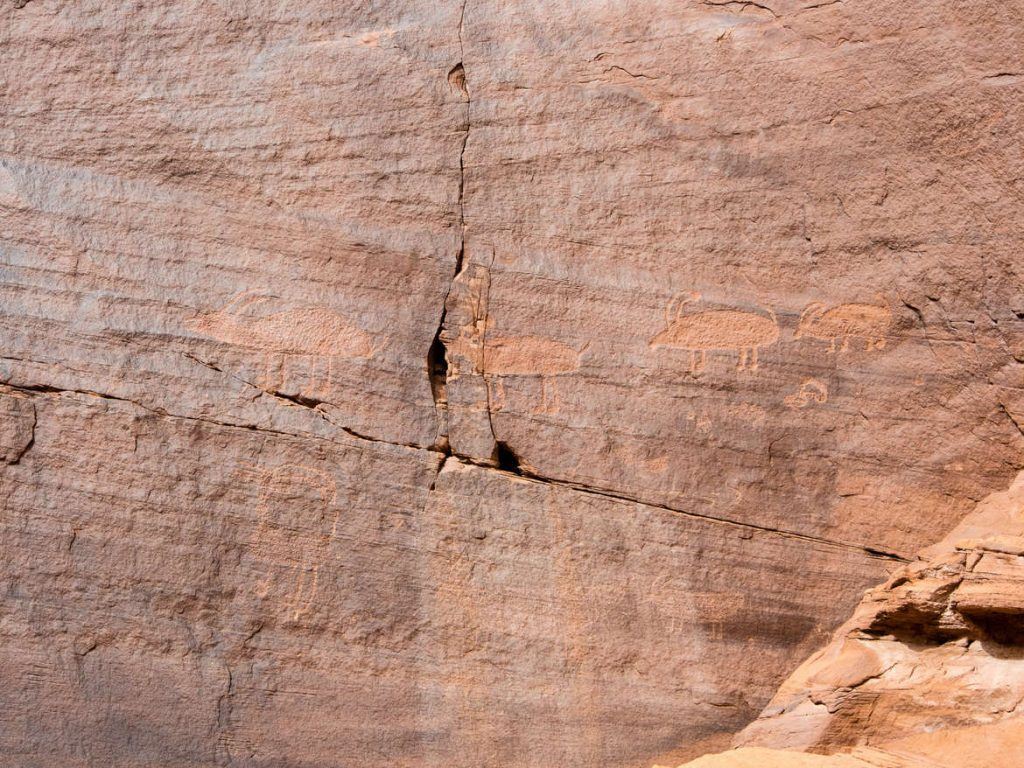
(482, 383)
(927, 673)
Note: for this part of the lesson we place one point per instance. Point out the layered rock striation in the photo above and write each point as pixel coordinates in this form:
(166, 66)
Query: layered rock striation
(929, 671)
(482, 383)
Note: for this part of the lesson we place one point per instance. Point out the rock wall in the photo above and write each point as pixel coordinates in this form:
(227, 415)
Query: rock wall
(482, 383)
(926, 674)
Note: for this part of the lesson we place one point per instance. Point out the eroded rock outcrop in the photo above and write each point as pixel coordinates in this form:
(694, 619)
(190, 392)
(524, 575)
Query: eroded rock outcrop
(929, 672)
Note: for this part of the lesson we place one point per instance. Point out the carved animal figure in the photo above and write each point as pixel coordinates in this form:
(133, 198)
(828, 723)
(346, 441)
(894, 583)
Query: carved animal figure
(530, 356)
(249, 320)
(846, 321)
(811, 391)
(298, 520)
(717, 330)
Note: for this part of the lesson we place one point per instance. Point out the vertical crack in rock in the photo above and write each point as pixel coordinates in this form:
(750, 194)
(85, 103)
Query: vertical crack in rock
(483, 312)
(437, 354)
(224, 711)
(1011, 417)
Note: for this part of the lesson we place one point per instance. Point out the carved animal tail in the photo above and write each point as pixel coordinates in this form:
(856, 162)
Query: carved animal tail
(811, 311)
(244, 299)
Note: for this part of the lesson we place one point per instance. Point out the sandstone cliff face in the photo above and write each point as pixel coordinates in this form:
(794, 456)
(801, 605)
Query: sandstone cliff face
(482, 383)
(927, 673)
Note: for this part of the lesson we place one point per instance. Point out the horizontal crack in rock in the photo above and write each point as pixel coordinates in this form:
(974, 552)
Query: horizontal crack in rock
(509, 465)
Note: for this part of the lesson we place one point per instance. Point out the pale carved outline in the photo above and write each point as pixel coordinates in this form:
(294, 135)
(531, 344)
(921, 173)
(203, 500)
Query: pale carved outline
(308, 333)
(716, 330)
(843, 322)
(271, 541)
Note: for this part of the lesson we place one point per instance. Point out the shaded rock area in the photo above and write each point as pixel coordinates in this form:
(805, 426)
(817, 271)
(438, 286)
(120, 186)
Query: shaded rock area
(482, 383)
(929, 672)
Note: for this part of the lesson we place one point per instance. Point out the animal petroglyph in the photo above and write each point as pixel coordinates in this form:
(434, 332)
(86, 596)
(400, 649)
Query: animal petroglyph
(811, 391)
(298, 520)
(303, 333)
(530, 356)
(717, 330)
(843, 322)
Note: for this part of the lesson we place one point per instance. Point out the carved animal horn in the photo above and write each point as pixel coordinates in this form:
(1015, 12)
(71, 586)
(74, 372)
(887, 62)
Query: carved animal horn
(679, 302)
(672, 309)
(811, 310)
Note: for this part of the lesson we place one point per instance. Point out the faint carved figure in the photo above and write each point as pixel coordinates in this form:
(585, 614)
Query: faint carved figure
(298, 520)
(811, 391)
(717, 330)
(295, 334)
(530, 356)
(846, 321)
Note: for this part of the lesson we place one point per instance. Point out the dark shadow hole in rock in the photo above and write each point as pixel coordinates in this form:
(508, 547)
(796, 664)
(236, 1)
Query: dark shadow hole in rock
(506, 458)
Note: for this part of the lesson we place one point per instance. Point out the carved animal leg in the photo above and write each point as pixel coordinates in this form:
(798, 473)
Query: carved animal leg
(846, 344)
(693, 361)
(496, 390)
(742, 364)
(703, 356)
(832, 346)
(550, 402)
(753, 358)
(305, 590)
(544, 407)
(321, 388)
(282, 381)
(266, 381)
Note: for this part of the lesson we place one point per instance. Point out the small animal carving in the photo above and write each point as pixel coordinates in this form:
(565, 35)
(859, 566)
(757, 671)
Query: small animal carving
(530, 356)
(811, 391)
(298, 521)
(843, 322)
(250, 320)
(717, 330)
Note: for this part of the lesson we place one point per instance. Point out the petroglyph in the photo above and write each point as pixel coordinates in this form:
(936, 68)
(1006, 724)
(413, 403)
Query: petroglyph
(811, 391)
(530, 356)
(298, 520)
(717, 330)
(303, 334)
(843, 322)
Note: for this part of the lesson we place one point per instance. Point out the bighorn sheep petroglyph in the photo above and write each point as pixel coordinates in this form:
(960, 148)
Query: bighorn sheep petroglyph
(250, 320)
(717, 330)
(530, 356)
(846, 321)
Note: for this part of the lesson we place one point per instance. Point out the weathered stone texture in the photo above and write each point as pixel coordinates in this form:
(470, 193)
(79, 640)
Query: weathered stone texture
(926, 674)
(482, 383)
